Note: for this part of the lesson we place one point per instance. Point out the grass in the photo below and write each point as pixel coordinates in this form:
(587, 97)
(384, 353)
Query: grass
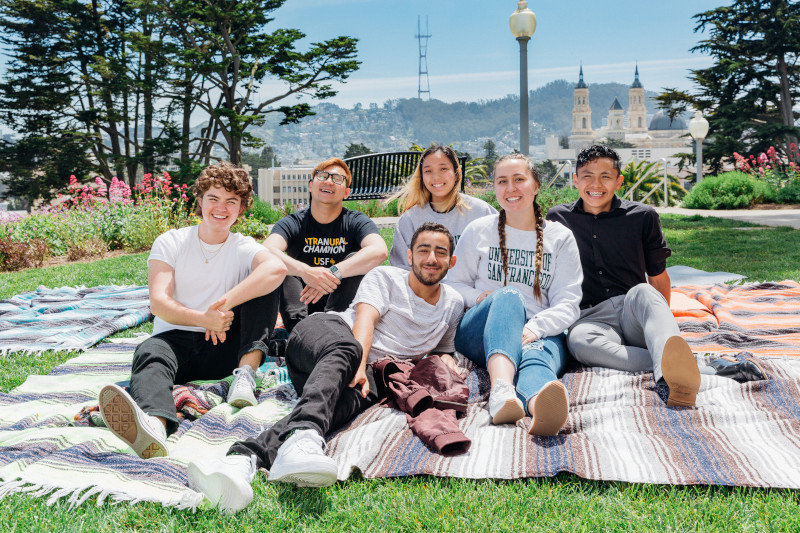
(563, 503)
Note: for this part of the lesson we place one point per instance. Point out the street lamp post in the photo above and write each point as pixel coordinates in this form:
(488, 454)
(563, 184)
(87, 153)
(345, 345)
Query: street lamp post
(523, 24)
(698, 128)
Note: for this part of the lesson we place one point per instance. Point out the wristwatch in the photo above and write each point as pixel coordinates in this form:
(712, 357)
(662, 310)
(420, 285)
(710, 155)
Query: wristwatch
(335, 271)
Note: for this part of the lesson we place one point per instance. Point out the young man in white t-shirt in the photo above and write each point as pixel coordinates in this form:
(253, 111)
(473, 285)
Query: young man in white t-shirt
(213, 294)
(395, 314)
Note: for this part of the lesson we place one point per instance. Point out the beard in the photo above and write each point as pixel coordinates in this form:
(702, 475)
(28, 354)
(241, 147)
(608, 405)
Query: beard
(427, 278)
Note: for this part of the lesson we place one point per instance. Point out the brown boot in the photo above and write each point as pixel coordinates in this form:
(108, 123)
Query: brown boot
(679, 368)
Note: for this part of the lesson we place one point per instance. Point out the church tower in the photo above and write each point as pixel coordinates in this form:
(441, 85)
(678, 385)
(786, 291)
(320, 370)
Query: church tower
(582, 134)
(616, 121)
(637, 112)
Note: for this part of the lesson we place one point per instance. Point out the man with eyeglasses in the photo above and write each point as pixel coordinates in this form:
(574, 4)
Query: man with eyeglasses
(326, 248)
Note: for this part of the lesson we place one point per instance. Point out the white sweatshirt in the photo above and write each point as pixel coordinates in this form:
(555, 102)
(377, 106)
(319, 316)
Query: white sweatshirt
(479, 267)
(454, 220)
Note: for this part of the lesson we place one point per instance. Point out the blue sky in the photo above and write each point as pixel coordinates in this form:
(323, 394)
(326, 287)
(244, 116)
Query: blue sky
(472, 54)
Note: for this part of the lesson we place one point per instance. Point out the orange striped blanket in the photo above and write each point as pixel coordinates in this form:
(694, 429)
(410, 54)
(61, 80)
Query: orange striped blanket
(762, 318)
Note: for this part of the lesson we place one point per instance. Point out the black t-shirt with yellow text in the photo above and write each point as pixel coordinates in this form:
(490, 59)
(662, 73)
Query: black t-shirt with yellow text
(323, 245)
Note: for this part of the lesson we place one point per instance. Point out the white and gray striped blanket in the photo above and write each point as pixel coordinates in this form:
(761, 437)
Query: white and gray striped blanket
(618, 429)
(68, 318)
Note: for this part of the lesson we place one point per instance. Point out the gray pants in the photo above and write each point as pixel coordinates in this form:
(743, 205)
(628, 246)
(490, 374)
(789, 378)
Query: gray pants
(626, 332)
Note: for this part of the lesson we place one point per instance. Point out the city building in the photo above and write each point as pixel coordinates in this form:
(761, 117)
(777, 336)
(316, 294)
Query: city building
(284, 185)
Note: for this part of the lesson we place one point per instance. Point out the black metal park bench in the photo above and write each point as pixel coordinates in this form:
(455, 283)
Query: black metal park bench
(380, 175)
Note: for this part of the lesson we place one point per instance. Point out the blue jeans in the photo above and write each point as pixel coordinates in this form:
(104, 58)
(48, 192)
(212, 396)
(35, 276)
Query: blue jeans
(495, 326)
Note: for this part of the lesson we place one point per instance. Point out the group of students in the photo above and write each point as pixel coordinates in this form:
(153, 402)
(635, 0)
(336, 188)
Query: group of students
(589, 281)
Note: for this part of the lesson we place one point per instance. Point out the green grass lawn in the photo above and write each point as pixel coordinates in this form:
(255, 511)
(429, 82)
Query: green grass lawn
(563, 503)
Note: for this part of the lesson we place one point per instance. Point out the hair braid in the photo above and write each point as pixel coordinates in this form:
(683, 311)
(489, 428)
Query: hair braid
(537, 282)
(501, 231)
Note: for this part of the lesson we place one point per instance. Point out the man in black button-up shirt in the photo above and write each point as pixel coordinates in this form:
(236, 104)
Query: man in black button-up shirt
(625, 321)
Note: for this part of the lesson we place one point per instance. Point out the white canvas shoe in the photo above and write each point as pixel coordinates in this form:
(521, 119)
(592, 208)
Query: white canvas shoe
(504, 406)
(302, 461)
(241, 392)
(225, 481)
(142, 432)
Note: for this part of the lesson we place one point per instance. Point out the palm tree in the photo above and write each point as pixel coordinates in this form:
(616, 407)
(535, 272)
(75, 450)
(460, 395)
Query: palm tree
(647, 178)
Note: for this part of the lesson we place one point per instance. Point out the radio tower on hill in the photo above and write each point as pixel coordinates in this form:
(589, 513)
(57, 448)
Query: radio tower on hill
(422, 39)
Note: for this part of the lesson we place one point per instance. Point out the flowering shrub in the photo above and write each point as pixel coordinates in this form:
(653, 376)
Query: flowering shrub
(89, 219)
(771, 167)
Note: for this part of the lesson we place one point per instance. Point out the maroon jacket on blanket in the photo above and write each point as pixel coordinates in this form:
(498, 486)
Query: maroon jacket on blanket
(431, 395)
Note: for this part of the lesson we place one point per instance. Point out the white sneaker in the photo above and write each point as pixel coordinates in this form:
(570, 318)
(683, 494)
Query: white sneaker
(225, 481)
(550, 410)
(504, 406)
(142, 432)
(301, 461)
(241, 392)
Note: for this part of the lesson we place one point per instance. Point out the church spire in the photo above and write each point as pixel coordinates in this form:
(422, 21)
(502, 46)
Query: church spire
(636, 83)
(581, 83)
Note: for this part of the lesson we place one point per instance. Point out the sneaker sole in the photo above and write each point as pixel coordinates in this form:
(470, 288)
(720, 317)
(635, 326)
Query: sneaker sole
(241, 402)
(550, 410)
(511, 411)
(121, 418)
(307, 479)
(679, 368)
(230, 494)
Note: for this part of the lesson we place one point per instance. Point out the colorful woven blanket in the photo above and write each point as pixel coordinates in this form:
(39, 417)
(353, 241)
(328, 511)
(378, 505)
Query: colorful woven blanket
(762, 318)
(46, 453)
(618, 429)
(68, 319)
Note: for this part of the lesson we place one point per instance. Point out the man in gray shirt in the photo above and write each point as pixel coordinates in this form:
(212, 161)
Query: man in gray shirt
(395, 314)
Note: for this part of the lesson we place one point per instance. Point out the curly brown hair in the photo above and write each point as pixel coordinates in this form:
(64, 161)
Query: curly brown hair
(228, 176)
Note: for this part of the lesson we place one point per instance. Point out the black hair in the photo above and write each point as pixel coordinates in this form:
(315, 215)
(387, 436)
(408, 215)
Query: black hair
(597, 151)
(437, 228)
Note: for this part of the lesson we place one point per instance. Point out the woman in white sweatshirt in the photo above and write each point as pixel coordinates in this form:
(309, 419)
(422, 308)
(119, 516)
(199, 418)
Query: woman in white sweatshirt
(432, 194)
(521, 279)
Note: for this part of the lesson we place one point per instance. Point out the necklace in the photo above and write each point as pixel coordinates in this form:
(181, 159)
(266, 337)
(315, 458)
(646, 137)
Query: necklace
(212, 252)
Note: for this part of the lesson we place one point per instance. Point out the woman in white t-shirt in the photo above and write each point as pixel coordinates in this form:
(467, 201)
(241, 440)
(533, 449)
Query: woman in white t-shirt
(432, 194)
(521, 279)
(213, 296)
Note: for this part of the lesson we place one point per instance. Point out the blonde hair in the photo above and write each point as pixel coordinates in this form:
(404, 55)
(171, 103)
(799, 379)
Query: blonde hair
(414, 191)
(537, 211)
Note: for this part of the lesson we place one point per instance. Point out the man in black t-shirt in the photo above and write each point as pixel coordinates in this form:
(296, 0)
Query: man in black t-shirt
(326, 248)
(625, 322)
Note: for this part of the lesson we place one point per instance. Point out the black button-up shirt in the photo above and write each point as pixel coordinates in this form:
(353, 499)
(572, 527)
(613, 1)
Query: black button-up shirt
(617, 247)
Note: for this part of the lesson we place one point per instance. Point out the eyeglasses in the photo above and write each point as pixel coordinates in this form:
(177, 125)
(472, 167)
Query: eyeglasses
(322, 175)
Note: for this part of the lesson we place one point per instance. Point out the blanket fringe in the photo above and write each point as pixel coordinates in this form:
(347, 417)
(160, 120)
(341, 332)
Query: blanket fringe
(187, 499)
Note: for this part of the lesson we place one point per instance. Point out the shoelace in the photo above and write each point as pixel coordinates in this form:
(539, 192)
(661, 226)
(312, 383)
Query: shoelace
(251, 382)
(305, 444)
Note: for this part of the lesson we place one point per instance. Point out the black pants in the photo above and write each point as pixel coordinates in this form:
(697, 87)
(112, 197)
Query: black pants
(293, 310)
(179, 356)
(322, 357)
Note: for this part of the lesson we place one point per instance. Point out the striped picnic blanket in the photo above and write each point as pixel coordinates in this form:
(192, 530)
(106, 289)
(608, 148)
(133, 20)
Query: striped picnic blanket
(618, 429)
(763, 318)
(68, 318)
(46, 453)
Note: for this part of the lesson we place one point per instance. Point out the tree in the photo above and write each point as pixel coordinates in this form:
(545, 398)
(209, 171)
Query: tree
(227, 45)
(648, 177)
(547, 170)
(355, 150)
(616, 143)
(264, 159)
(563, 141)
(489, 155)
(750, 92)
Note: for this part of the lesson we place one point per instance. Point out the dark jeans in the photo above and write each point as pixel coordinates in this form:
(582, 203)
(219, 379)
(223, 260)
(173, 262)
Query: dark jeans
(179, 356)
(293, 310)
(322, 357)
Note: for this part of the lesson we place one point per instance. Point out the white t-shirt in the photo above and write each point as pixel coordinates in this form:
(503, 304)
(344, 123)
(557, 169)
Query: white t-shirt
(454, 220)
(409, 327)
(199, 284)
(480, 268)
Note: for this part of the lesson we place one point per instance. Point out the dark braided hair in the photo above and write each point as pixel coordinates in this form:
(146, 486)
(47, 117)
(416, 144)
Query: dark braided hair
(501, 227)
